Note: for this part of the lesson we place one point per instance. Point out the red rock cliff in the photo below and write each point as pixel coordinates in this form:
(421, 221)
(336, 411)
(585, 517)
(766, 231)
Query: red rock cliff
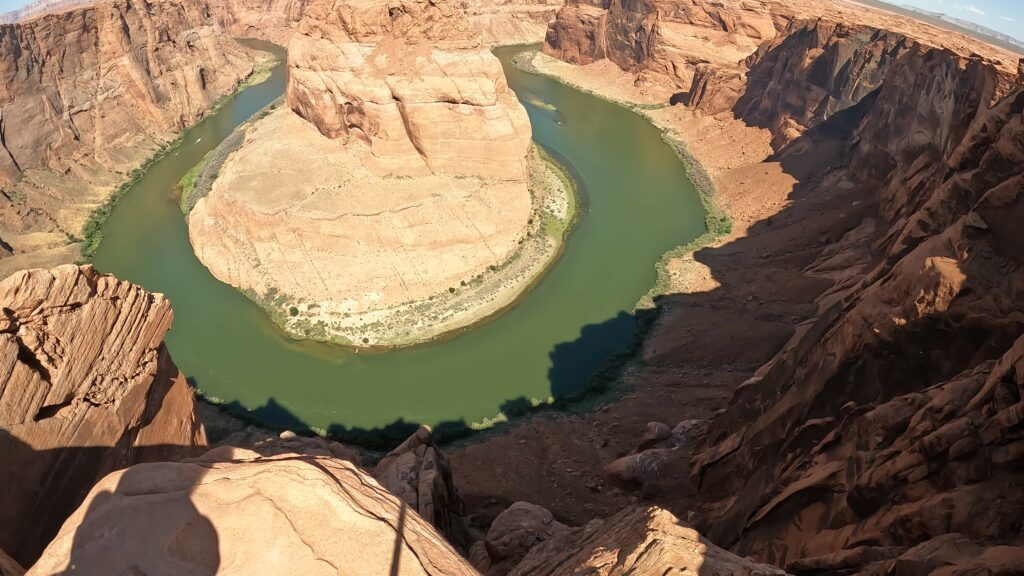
(86, 387)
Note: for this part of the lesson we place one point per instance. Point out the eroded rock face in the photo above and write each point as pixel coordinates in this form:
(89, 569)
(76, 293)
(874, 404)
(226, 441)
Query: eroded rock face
(218, 515)
(88, 94)
(401, 176)
(415, 82)
(86, 387)
(812, 71)
(894, 418)
(515, 532)
(635, 541)
(662, 41)
(418, 472)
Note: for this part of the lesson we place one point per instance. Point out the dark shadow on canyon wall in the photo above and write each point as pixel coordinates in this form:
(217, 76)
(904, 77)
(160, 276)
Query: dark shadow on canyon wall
(62, 494)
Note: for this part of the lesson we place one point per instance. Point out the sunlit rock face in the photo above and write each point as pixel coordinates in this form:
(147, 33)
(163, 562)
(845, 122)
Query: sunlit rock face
(87, 95)
(86, 387)
(235, 512)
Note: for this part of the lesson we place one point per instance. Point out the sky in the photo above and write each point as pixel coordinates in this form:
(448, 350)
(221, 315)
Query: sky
(1006, 16)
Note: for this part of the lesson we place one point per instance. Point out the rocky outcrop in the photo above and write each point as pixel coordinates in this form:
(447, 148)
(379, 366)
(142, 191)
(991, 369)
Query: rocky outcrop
(812, 71)
(662, 42)
(418, 472)
(415, 83)
(512, 534)
(87, 94)
(637, 540)
(273, 20)
(217, 515)
(892, 420)
(86, 387)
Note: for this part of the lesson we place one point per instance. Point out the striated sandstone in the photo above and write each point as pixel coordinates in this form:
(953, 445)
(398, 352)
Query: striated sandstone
(234, 512)
(415, 83)
(297, 214)
(890, 419)
(637, 540)
(85, 96)
(410, 180)
(8, 567)
(86, 387)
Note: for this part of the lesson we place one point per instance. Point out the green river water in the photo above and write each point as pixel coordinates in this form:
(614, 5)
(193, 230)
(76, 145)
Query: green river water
(637, 203)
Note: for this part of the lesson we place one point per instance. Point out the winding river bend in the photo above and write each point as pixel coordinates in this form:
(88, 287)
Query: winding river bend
(637, 204)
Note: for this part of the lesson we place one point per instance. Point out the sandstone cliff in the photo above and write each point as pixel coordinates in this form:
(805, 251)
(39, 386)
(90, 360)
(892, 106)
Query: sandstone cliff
(889, 420)
(86, 387)
(883, 438)
(88, 94)
(234, 512)
(415, 82)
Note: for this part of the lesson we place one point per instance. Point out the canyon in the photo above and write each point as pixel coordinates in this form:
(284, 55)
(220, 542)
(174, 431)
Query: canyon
(416, 159)
(834, 384)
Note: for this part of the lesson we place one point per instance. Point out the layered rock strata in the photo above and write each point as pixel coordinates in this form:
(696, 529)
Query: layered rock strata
(408, 179)
(838, 456)
(86, 387)
(87, 95)
(217, 515)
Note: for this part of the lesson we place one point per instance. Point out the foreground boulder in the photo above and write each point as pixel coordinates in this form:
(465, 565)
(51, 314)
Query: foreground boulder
(86, 387)
(635, 541)
(234, 512)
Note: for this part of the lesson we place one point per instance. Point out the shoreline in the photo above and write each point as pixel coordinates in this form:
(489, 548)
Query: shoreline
(92, 230)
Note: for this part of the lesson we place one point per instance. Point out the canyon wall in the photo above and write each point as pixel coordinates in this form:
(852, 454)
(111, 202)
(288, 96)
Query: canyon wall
(86, 95)
(886, 436)
(413, 81)
(86, 387)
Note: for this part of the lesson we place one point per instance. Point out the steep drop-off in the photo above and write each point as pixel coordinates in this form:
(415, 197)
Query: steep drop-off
(86, 96)
(86, 387)
(888, 428)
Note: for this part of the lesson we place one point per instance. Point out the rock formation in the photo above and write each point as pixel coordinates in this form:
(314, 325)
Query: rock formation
(85, 96)
(415, 82)
(511, 536)
(86, 387)
(234, 512)
(413, 183)
(637, 540)
(889, 421)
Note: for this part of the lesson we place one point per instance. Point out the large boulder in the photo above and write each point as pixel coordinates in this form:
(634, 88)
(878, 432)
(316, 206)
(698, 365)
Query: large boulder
(86, 387)
(235, 512)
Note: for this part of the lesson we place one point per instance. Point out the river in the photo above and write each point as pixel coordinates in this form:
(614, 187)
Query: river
(637, 203)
